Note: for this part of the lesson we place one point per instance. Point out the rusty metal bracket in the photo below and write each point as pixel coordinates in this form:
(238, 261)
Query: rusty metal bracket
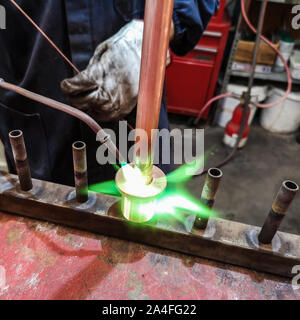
(225, 241)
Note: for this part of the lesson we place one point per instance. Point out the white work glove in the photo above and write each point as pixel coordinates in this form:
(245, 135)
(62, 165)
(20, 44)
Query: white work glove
(108, 88)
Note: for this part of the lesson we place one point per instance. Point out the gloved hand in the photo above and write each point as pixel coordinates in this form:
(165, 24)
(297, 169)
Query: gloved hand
(108, 88)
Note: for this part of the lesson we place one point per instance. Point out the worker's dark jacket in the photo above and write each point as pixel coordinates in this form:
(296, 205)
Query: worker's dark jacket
(27, 59)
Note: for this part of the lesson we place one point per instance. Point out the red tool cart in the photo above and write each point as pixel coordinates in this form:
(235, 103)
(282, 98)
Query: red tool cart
(191, 80)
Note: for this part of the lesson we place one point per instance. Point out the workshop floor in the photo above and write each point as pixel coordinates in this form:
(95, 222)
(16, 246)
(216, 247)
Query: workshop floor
(252, 179)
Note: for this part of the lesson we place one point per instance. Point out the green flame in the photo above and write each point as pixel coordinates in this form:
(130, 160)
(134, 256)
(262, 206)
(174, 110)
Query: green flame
(175, 200)
(107, 187)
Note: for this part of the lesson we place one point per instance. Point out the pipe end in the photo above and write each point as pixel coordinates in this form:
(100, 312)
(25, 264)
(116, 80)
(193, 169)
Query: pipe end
(15, 134)
(215, 173)
(290, 185)
(79, 145)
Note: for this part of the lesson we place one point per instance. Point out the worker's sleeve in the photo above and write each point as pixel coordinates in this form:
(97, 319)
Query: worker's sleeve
(190, 20)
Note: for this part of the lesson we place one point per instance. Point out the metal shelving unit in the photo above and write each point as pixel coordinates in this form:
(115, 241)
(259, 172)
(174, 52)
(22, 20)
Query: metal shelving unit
(285, 1)
(277, 77)
(273, 76)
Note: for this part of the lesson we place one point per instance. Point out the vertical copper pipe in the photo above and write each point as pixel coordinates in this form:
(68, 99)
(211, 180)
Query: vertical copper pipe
(20, 157)
(157, 24)
(80, 171)
(278, 211)
(211, 185)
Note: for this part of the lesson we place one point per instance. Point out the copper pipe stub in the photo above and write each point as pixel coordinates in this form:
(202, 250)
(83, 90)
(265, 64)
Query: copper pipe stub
(210, 188)
(278, 211)
(138, 197)
(80, 171)
(20, 156)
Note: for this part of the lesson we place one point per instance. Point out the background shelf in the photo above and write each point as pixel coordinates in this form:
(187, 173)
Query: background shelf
(274, 76)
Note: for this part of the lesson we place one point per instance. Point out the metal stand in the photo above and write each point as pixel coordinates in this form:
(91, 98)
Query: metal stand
(222, 240)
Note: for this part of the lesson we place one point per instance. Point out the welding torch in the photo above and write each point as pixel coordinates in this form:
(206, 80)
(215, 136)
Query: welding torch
(103, 136)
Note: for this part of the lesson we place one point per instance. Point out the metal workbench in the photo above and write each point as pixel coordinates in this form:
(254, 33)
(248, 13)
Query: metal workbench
(44, 261)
